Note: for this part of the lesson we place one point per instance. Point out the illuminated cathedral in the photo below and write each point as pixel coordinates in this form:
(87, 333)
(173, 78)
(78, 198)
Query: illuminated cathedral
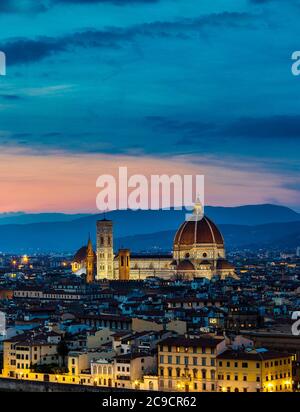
(198, 251)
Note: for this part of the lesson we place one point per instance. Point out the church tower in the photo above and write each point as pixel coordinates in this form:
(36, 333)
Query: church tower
(124, 264)
(105, 253)
(90, 261)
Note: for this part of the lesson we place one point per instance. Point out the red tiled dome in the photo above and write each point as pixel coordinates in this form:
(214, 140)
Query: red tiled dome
(198, 231)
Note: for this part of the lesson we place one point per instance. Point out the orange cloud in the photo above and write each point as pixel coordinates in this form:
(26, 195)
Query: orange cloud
(67, 182)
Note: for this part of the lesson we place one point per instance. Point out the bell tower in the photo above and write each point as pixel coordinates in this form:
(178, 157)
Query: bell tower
(124, 264)
(105, 253)
(90, 261)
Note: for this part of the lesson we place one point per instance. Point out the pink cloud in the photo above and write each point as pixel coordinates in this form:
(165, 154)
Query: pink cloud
(67, 182)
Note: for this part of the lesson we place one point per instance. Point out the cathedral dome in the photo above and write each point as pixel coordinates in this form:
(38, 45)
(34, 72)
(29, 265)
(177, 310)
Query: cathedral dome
(198, 231)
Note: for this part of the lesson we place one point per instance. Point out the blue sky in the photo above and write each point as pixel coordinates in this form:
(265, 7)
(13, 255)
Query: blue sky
(207, 81)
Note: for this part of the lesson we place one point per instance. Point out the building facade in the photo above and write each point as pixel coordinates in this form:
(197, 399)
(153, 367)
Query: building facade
(105, 253)
(187, 364)
(254, 371)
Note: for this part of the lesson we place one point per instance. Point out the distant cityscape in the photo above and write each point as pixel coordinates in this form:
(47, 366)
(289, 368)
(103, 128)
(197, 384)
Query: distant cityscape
(196, 319)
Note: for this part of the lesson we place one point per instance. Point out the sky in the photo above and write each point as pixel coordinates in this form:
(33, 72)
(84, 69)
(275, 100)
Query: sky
(159, 86)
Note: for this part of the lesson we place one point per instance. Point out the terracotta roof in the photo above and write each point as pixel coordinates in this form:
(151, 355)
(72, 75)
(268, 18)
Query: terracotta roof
(198, 231)
(185, 265)
(80, 255)
(187, 342)
(224, 264)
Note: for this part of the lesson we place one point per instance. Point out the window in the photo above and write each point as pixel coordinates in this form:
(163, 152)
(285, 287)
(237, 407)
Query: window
(228, 364)
(245, 378)
(245, 365)
(195, 361)
(161, 359)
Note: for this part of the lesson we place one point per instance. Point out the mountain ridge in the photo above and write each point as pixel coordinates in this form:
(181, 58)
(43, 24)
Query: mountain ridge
(69, 235)
(254, 214)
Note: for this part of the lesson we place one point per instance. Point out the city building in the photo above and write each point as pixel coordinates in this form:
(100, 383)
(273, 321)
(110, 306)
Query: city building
(189, 364)
(255, 370)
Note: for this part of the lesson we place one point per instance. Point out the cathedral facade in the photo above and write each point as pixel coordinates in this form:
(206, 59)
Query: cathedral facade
(198, 251)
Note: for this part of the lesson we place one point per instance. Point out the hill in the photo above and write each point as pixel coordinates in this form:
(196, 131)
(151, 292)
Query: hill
(142, 230)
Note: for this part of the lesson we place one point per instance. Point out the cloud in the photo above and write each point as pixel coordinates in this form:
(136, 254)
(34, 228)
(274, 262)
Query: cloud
(10, 97)
(17, 6)
(67, 182)
(39, 6)
(115, 2)
(25, 50)
(28, 51)
(265, 127)
(195, 130)
(47, 90)
(272, 1)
